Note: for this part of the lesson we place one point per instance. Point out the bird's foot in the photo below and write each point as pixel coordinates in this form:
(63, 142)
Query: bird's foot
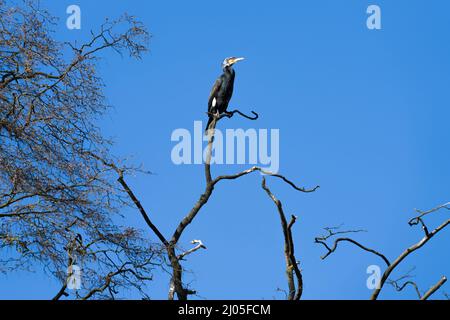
(228, 114)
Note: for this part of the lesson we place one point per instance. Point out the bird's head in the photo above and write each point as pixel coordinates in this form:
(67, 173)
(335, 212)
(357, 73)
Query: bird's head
(228, 62)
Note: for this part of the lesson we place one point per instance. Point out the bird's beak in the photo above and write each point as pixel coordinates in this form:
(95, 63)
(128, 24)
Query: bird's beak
(237, 59)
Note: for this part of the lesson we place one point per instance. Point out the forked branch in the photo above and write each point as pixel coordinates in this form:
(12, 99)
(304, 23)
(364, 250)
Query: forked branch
(331, 233)
(295, 291)
(391, 266)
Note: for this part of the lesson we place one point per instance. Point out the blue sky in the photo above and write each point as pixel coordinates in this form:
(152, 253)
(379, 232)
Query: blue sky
(363, 113)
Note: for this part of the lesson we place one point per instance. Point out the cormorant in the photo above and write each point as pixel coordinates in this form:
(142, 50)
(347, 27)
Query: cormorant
(222, 90)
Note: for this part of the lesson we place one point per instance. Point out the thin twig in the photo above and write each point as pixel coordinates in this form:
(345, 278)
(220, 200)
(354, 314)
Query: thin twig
(416, 220)
(398, 287)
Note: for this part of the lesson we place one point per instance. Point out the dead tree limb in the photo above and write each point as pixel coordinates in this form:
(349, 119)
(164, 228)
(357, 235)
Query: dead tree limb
(400, 287)
(295, 292)
(405, 254)
(417, 220)
(391, 266)
(230, 114)
(199, 245)
(141, 210)
(426, 295)
(322, 240)
(434, 288)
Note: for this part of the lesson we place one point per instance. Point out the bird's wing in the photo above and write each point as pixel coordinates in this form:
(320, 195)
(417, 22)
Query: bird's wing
(213, 93)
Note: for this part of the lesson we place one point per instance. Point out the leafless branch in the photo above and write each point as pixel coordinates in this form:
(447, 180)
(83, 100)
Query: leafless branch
(425, 296)
(399, 287)
(295, 292)
(405, 254)
(391, 266)
(229, 114)
(418, 219)
(331, 232)
(434, 288)
(108, 280)
(199, 245)
(142, 211)
(61, 292)
(253, 169)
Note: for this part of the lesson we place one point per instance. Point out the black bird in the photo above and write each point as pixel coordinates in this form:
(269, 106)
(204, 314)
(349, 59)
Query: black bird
(222, 90)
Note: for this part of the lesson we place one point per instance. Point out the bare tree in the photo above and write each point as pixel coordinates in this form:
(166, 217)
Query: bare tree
(59, 204)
